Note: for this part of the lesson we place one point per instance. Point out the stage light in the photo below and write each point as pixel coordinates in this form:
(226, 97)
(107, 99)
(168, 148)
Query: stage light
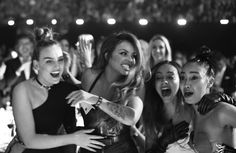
(143, 21)
(11, 22)
(14, 54)
(29, 21)
(79, 21)
(54, 21)
(182, 21)
(111, 21)
(224, 21)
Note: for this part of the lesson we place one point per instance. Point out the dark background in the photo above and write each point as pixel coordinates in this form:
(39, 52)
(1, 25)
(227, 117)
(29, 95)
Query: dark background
(186, 38)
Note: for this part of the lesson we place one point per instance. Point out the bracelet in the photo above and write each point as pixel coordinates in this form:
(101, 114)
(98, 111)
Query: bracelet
(98, 103)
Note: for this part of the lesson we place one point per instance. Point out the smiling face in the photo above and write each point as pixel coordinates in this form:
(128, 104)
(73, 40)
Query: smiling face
(25, 48)
(123, 58)
(194, 82)
(158, 51)
(50, 65)
(167, 82)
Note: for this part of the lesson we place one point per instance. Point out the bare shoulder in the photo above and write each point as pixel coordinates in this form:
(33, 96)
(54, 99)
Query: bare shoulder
(225, 112)
(22, 86)
(88, 77)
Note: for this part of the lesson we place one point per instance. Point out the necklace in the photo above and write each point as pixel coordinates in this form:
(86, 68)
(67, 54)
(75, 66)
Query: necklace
(44, 86)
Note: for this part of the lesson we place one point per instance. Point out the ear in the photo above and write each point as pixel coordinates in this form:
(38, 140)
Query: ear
(106, 58)
(211, 82)
(35, 65)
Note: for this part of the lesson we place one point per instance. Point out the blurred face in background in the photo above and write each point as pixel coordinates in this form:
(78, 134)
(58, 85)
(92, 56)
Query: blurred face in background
(25, 48)
(65, 46)
(158, 51)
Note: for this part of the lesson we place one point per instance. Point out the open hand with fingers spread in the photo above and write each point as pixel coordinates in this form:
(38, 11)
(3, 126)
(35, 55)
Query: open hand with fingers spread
(87, 141)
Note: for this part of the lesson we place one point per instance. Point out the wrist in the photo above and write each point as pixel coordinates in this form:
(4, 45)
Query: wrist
(98, 103)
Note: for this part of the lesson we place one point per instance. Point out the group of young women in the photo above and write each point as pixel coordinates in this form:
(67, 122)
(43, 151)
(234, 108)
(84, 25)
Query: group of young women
(110, 105)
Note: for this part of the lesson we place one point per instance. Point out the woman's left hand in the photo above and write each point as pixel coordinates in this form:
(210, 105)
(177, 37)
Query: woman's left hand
(81, 96)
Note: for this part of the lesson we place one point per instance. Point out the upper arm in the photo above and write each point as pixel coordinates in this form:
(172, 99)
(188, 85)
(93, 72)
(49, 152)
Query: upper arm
(135, 103)
(227, 114)
(22, 111)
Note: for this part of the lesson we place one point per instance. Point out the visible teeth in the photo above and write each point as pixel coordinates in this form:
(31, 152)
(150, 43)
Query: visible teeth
(55, 74)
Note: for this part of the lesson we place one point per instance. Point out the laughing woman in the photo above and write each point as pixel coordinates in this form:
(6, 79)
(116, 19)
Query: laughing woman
(166, 116)
(110, 86)
(213, 132)
(39, 104)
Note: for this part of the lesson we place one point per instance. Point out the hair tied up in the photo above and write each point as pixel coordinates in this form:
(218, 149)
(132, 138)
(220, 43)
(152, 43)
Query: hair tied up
(43, 34)
(208, 56)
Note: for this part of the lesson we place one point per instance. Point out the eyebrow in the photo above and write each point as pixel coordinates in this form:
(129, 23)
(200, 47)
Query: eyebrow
(169, 72)
(52, 58)
(192, 72)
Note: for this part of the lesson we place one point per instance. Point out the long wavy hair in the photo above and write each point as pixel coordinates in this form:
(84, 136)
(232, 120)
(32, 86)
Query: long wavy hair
(127, 85)
(168, 55)
(154, 115)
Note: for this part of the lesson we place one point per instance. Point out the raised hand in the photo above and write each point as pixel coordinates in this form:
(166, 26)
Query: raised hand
(84, 139)
(209, 101)
(175, 133)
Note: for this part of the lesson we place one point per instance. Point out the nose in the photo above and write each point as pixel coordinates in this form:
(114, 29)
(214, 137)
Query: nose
(186, 85)
(131, 60)
(164, 81)
(57, 65)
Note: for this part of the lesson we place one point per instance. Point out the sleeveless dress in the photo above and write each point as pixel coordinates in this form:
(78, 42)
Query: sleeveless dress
(109, 128)
(54, 113)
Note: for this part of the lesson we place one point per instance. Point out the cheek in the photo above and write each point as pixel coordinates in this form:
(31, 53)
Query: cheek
(157, 87)
(175, 86)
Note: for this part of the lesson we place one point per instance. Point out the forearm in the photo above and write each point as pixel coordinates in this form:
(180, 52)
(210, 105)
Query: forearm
(41, 141)
(123, 114)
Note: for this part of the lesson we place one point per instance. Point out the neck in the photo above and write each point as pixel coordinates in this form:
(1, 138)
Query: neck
(170, 107)
(110, 76)
(42, 85)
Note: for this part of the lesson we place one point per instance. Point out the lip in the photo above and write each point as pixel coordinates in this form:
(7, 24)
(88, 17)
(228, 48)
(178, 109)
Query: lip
(188, 94)
(55, 74)
(126, 67)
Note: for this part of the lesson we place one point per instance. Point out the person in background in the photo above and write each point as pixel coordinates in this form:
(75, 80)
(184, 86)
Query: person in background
(166, 117)
(2, 72)
(213, 131)
(40, 107)
(180, 58)
(109, 89)
(66, 47)
(20, 68)
(160, 50)
(85, 53)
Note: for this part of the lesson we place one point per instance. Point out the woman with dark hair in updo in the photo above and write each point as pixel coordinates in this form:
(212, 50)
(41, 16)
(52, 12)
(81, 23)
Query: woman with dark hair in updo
(213, 131)
(40, 107)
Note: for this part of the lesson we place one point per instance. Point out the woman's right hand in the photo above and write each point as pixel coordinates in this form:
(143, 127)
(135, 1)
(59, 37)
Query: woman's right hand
(84, 139)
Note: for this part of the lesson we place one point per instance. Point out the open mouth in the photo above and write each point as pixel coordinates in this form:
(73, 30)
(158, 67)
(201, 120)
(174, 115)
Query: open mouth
(188, 94)
(55, 74)
(165, 92)
(126, 67)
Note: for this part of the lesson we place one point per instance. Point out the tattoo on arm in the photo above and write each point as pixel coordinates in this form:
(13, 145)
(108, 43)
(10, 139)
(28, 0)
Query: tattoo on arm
(118, 110)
